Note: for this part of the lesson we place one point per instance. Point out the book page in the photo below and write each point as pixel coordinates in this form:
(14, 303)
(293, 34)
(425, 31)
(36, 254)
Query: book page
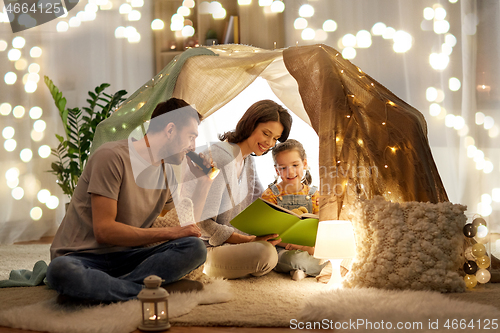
(261, 219)
(301, 233)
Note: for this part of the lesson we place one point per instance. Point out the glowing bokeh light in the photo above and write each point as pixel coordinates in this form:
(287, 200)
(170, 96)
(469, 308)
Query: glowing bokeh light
(184, 11)
(306, 11)
(43, 195)
(329, 25)
(18, 111)
(479, 117)
(17, 193)
(37, 136)
(187, 31)
(44, 151)
(74, 22)
(277, 6)
(8, 132)
(378, 29)
(26, 155)
(349, 53)
(5, 109)
(35, 112)
(320, 35)
(300, 23)
(428, 13)
(220, 14)
(14, 55)
(125, 8)
(10, 145)
(18, 42)
(10, 78)
(308, 34)
(389, 33)
(21, 64)
(52, 202)
(157, 24)
(349, 40)
(489, 122)
(39, 125)
(363, 39)
(134, 15)
(431, 94)
(36, 213)
(454, 84)
(34, 68)
(62, 26)
(30, 87)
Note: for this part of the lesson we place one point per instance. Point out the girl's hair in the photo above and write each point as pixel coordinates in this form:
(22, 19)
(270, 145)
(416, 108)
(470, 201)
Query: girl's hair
(260, 112)
(292, 144)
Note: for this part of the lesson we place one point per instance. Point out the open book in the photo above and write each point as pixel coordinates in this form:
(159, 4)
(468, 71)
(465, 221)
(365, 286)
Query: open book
(264, 218)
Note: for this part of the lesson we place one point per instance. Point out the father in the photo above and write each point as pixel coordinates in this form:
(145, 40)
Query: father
(99, 250)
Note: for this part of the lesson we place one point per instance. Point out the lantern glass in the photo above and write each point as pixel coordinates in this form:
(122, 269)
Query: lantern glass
(154, 316)
(154, 305)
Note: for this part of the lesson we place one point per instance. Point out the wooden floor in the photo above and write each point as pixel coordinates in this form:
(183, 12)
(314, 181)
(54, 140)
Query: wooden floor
(197, 329)
(183, 329)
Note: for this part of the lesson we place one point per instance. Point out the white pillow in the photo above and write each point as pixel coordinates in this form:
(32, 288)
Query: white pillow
(411, 245)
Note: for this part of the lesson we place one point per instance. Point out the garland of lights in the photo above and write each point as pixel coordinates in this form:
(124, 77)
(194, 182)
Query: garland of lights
(476, 256)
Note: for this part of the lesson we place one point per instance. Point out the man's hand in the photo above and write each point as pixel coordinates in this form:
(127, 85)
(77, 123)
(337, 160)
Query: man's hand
(207, 162)
(268, 238)
(191, 230)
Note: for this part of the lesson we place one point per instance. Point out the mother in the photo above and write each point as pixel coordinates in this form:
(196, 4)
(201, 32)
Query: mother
(231, 253)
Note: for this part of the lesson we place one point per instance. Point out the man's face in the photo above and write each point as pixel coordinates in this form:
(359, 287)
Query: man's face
(182, 142)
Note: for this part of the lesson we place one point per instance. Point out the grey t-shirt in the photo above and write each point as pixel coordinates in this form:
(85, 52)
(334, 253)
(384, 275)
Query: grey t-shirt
(109, 173)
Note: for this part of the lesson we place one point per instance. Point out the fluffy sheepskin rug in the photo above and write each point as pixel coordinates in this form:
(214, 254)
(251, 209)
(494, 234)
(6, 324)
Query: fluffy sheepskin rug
(376, 310)
(114, 318)
(411, 245)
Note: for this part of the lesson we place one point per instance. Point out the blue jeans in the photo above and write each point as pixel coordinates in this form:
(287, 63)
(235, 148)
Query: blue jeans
(119, 276)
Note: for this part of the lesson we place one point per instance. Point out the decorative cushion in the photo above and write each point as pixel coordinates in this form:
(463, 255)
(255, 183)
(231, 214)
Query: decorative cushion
(411, 245)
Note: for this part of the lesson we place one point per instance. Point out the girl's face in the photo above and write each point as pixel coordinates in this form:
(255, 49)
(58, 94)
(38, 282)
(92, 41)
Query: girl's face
(263, 137)
(290, 167)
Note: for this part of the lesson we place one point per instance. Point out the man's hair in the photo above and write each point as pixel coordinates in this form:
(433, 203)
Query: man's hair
(260, 112)
(180, 119)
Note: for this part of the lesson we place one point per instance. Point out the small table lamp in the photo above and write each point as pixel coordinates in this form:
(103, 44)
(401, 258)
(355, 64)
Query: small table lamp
(335, 241)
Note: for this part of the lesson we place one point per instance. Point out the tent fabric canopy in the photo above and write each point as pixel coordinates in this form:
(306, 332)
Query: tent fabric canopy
(371, 142)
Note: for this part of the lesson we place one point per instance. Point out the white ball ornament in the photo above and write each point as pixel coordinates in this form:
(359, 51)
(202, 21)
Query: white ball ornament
(483, 276)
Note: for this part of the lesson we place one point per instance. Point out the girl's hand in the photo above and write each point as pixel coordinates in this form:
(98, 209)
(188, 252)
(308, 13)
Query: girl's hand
(268, 238)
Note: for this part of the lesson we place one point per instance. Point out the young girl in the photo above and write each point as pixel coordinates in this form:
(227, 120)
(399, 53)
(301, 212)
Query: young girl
(293, 191)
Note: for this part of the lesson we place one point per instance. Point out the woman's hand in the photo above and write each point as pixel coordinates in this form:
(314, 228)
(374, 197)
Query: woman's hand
(268, 238)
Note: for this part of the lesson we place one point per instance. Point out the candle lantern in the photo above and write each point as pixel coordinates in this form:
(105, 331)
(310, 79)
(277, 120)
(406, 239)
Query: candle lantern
(154, 305)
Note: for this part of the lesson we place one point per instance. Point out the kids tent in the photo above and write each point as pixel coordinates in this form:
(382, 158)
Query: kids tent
(371, 142)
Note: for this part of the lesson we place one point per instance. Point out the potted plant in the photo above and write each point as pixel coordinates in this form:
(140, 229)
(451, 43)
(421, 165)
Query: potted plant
(79, 125)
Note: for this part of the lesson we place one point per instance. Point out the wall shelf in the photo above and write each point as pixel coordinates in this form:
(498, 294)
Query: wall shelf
(256, 28)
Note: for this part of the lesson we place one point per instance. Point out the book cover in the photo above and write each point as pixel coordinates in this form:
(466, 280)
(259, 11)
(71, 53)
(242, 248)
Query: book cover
(264, 218)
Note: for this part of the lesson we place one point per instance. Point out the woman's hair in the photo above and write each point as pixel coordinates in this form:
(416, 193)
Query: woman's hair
(260, 112)
(292, 144)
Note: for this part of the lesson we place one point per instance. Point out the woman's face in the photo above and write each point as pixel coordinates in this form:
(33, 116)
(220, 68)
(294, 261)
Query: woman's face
(263, 137)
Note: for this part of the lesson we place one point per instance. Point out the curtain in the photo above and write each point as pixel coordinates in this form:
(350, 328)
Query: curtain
(77, 61)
